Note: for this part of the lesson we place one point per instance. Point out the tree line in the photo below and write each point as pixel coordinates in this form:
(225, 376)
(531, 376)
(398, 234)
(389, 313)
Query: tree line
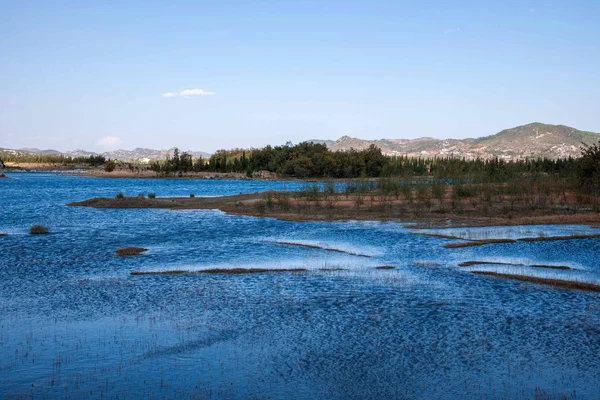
(313, 160)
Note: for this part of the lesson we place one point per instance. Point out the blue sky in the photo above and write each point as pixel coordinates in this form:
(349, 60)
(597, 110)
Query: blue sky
(93, 75)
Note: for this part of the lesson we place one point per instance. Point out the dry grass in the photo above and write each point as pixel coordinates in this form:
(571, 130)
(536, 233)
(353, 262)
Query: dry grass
(130, 251)
(312, 246)
(531, 239)
(226, 271)
(477, 243)
(545, 281)
(550, 238)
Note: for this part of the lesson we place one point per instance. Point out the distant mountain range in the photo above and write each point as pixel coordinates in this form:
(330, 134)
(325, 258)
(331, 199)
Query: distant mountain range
(138, 154)
(531, 140)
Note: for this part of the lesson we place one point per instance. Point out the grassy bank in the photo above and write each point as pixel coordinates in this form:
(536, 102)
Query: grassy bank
(429, 204)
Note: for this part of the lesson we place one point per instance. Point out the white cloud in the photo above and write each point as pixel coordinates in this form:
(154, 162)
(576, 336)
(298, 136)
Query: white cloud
(109, 141)
(189, 93)
(449, 31)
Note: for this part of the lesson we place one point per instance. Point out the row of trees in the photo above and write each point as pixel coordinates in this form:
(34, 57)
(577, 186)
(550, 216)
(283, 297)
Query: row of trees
(311, 160)
(304, 160)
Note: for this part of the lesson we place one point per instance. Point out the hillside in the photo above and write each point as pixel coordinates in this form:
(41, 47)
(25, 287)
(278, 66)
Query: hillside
(531, 140)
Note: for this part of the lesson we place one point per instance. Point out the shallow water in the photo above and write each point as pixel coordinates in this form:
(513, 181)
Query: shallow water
(74, 323)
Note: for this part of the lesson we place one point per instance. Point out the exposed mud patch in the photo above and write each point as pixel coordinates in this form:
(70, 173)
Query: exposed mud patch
(130, 251)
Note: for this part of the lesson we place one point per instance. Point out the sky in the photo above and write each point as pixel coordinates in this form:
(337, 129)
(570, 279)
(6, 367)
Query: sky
(206, 75)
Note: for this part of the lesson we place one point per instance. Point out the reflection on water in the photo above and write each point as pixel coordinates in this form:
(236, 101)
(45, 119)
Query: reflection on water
(74, 323)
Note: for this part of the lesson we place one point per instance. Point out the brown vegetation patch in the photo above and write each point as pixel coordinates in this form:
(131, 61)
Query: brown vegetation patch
(564, 267)
(227, 271)
(3, 234)
(130, 251)
(550, 238)
(39, 230)
(530, 239)
(312, 246)
(471, 263)
(385, 267)
(332, 269)
(545, 281)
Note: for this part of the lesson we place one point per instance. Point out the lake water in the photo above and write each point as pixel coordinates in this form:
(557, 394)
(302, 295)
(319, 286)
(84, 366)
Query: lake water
(74, 323)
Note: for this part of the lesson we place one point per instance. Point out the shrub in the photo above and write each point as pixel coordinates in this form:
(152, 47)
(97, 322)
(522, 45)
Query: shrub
(39, 230)
(283, 200)
(120, 195)
(110, 166)
(438, 190)
(192, 195)
(422, 193)
(268, 199)
(407, 192)
(311, 191)
(151, 195)
(329, 187)
(465, 191)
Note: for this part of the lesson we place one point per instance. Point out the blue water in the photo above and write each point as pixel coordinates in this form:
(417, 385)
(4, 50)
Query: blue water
(74, 322)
